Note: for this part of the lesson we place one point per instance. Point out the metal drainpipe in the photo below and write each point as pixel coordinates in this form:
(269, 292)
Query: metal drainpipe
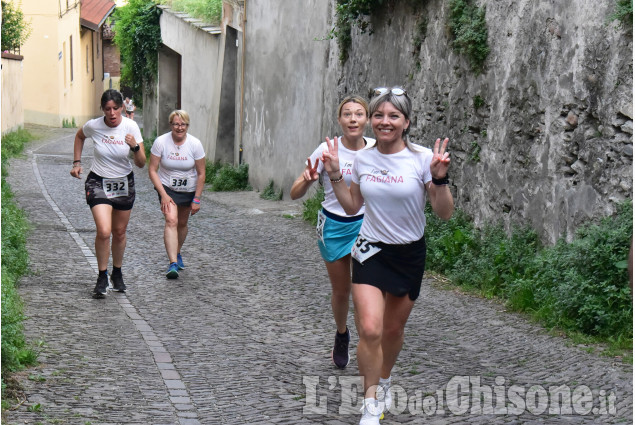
(242, 85)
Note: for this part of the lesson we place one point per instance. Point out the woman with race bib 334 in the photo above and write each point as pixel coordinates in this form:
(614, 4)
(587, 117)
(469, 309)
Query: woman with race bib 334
(394, 180)
(110, 186)
(177, 171)
(336, 229)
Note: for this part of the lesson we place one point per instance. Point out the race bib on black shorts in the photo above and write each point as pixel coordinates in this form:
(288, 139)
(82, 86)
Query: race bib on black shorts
(362, 249)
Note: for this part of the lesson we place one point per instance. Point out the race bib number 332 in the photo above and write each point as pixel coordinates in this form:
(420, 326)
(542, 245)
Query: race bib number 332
(114, 188)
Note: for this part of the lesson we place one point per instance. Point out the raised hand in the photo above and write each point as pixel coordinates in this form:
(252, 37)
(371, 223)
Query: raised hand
(440, 159)
(330, 157)
(310, 172)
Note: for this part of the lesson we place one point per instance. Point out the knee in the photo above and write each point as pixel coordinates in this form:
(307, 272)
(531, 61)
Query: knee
(103, 233)
(119, 234)
(171, 221)
(393, 331)
(370, 331)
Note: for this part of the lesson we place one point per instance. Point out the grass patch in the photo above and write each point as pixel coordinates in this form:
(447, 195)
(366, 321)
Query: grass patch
(206, 10)
(270, 193)
(227, 177)
(16, 353)
(623, 13)
(577, 287)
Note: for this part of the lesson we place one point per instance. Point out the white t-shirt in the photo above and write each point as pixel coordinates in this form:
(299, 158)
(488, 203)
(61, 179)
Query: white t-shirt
(110, 148)
(129, 105)
(347, 158)
(393, 187)
(178, 162)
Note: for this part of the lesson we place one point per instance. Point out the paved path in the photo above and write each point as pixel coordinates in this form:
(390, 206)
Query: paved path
(244, 335)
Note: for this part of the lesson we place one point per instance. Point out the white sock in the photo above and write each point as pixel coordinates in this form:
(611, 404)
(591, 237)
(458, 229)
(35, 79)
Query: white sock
(385, 381)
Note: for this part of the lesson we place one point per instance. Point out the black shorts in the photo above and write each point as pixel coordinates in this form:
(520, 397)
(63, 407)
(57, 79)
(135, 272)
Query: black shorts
(182, 199)
(396, 269)
(96, 195)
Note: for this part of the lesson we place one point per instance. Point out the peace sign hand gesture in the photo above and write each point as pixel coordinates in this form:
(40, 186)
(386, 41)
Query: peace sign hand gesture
(310, 173)
(440, 160)
(331, 159)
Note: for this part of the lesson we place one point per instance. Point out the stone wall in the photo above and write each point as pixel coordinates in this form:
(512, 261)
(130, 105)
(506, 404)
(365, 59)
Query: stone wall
(549, 145)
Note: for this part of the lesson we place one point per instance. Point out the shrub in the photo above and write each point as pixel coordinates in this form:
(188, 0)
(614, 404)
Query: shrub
(469, 28)
(226, 177)
(582, 286)
(269, 192)
(14, 350)
(15, 30)
(312, 205)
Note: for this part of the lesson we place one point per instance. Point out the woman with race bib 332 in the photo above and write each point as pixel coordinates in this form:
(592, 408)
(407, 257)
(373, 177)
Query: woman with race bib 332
(393, 180)
(177, 171)
(336, 229)
(110, 186)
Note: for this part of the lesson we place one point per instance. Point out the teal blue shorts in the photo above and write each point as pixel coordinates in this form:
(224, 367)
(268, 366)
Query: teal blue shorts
(339, 235)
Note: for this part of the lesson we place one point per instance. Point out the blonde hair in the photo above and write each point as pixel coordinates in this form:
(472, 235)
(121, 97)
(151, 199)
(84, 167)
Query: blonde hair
(354, 99)
(181, 114)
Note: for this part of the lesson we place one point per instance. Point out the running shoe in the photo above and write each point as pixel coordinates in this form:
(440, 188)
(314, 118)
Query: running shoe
(173, 271)
(340, 349)
(117, 282)
(179, 261)
(101, 288)
(372, 412)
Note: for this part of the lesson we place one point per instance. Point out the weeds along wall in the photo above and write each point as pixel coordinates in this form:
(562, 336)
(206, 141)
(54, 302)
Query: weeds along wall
(540, 135)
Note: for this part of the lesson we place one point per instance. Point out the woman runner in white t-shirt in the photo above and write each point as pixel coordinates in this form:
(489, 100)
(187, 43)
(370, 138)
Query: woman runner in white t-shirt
(336, 229)
(393, 180)
(110, 187)
(177, 171)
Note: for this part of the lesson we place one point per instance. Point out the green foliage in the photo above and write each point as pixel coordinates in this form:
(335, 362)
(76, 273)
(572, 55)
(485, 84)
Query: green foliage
(351, 13)
(269, 193)
(478, 101)
(469, 29)
(226, 177)
(69, 123)
(15, 30)
(148, 142)
(312, 205)
(138, 36)
(581, 286)
(420, 35)
(206, 10)
(623, 13)
(15, 352)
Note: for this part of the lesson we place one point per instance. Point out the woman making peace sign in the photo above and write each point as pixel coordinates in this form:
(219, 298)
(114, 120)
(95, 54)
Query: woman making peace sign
(394, 179)
(336, 229)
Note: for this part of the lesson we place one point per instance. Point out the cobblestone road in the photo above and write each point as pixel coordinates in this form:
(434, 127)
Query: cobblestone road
(244, 335)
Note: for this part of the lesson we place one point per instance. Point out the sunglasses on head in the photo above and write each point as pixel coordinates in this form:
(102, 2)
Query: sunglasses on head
(397, 91)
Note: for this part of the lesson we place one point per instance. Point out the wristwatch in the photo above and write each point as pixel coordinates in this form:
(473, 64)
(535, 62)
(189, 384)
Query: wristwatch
(136, 148)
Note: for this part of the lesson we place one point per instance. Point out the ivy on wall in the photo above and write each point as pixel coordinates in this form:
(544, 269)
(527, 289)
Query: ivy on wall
(138, 35)
(469, 29)
(466, 23)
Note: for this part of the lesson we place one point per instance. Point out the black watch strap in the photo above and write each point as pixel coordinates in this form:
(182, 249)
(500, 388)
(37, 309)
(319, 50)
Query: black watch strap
(136, 148)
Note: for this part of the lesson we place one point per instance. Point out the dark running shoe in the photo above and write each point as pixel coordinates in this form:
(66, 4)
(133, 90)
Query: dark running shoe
(117, 282)
(101, 289)
(179, 262)
(173, 271)
(340, 349)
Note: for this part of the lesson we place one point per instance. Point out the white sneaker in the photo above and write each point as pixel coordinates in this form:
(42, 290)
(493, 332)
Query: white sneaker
(372, 411)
